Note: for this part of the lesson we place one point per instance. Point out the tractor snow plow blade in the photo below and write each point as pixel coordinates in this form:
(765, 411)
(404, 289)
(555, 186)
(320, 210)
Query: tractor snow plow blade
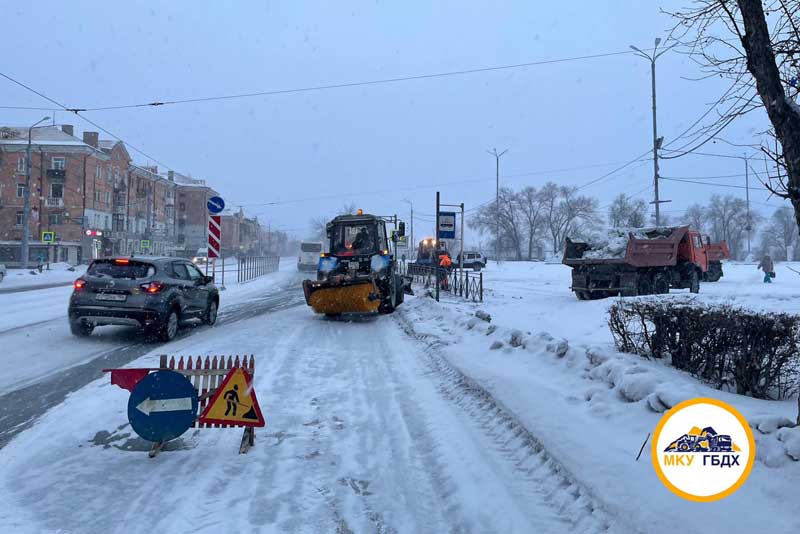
(333, 298)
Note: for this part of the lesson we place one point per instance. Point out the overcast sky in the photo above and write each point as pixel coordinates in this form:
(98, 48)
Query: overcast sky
(374, 145)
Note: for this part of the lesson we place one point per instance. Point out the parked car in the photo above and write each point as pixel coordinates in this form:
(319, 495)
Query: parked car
(472, 260)
(3, 271)
(152, 293)
(309, 255)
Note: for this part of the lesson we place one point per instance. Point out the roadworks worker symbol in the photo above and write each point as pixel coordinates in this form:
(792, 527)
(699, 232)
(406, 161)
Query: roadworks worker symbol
(234, 402)
(703, 450)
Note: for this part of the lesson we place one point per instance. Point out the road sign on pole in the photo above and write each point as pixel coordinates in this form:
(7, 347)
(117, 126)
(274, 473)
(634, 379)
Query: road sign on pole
(145, 244)
(215, 205)
(447, 225)
(162, 406)
(214, 235)
(48, 237)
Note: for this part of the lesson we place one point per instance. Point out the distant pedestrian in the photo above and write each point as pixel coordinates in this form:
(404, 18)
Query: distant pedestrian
(768, 267)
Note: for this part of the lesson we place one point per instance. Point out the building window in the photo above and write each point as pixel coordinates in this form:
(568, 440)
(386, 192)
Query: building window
(183, 206)
(108, 197)
(54, 218)
(18, 221)
(98, 196)
(56, 190)
(107, 225)
(59, 164)
(98, 172)
(20, 190)
(21, 167)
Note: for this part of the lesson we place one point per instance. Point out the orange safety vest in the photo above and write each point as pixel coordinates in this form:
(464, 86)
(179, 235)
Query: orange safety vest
(444, 261)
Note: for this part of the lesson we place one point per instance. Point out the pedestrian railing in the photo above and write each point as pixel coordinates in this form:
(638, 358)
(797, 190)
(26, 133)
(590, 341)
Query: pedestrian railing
(244, 269)
(457, 282)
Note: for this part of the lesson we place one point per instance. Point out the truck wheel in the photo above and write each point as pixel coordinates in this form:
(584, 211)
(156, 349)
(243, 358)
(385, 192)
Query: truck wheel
(660, 284)
(398, 288)
(644, 286)
(582, 295)
(694, 282)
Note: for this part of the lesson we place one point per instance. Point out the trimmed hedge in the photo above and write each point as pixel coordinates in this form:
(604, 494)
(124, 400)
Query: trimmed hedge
(748, 352)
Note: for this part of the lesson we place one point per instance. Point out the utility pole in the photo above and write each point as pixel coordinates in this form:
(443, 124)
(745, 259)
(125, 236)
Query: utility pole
(411, 237)
(657, 141)
(26, 206)
(497, 157)
(749, 226)
(435, 262)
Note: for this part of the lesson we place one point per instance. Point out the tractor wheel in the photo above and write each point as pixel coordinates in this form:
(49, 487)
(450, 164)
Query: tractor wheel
(389, 304)
(582, 295)
(660, 284)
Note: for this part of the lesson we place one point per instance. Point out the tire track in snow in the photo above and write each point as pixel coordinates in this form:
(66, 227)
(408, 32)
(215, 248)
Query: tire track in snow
(512, 440)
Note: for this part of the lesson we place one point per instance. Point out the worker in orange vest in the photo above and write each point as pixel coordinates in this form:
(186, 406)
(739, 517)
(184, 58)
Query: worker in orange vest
(444, 266)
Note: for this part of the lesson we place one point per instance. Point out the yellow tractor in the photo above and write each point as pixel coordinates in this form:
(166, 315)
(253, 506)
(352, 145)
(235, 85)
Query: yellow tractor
(359, 273)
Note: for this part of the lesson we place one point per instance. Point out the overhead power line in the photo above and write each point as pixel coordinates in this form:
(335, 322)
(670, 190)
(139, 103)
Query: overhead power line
(343, 85)
(76, 112)
(703, 177)
(704, 183)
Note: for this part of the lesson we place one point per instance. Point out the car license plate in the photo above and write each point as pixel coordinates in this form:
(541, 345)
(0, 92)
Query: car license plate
(116, 297)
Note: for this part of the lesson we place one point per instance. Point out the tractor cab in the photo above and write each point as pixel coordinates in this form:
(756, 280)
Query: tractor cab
(357, 235)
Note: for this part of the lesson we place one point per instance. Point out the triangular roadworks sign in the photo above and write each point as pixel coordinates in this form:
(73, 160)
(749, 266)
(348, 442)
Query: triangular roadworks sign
(234, 403)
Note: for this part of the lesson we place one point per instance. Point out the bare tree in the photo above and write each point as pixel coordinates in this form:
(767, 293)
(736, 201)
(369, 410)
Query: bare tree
(734, 39)
(319, 225)
(696, 217)
(531, 207)
(510, 218)
(626, 212)
(565, 212)
(727, 219)
(781, 234)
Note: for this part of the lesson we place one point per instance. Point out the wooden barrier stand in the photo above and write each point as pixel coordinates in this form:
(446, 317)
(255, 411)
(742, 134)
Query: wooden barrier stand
(206, 375)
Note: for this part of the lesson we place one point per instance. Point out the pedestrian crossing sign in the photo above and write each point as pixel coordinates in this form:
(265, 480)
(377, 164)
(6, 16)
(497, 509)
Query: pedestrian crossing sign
(234, 403)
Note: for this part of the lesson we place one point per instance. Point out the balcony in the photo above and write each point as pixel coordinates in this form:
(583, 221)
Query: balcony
(50, 202)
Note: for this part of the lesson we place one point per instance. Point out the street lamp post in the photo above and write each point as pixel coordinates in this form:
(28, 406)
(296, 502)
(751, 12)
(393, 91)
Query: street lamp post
(497, 157)
(656, 140)
(26, 206)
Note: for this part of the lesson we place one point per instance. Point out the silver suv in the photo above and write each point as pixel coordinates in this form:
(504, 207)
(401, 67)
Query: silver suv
(148, 292)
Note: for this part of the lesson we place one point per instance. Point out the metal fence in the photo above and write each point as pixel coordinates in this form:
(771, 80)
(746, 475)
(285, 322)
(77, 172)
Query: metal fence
(460, 283)
(243, 269)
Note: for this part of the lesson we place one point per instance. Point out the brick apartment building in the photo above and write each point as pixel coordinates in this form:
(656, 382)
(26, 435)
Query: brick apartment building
(71, 190)
(191, 213)
(241, 234)
(97, 202)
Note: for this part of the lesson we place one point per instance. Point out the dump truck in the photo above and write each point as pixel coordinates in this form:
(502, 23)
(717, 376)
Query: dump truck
(716, 253)
(631, 262)
(359, 274)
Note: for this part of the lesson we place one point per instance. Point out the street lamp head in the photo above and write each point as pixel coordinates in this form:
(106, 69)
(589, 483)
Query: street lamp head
(45, 119)
(658, 41)
(634, 48)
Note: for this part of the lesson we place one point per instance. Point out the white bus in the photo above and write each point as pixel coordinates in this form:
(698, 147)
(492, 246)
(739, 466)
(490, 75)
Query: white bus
(309, 255)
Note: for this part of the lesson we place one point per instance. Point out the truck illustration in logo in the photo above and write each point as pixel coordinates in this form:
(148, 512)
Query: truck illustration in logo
(705, 440)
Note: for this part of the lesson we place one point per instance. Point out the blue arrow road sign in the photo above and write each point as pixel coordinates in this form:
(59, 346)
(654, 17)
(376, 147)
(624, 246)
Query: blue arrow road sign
(215, 205)
(162, 406)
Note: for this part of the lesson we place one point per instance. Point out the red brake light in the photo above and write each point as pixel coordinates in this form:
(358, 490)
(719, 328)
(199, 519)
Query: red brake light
(78, 284)
(122, 261)
(152, 287)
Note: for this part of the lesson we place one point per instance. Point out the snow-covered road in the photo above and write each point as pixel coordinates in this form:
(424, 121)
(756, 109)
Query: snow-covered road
(368, 430)
(402, 423)
(46, 362)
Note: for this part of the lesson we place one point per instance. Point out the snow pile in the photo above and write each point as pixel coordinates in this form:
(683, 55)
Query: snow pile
(603, 396)
(58, 273)
(612, 243)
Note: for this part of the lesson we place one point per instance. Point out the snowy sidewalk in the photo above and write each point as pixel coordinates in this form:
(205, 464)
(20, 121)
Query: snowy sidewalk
(19, 280)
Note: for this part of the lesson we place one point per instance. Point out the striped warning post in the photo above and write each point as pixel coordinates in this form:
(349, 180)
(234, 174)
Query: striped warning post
(214, 235)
